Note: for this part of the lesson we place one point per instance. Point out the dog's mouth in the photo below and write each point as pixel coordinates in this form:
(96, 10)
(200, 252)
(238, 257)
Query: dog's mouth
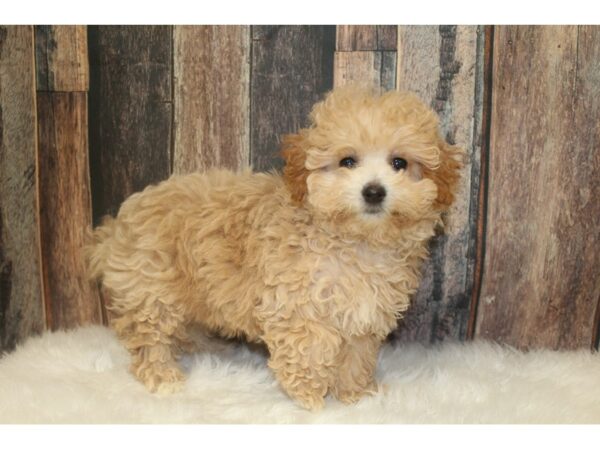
(373, 209)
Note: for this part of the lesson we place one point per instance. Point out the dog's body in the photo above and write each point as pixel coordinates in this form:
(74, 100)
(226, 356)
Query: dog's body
(318, 273)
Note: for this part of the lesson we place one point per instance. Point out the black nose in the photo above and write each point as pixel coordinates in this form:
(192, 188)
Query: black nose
(373, 193)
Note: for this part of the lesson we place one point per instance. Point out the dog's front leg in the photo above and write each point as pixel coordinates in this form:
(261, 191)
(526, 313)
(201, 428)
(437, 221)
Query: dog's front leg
(303, 356)
(355, 375)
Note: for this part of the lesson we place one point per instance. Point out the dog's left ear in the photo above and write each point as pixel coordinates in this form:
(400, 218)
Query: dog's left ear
(447, 174)
(295, 173)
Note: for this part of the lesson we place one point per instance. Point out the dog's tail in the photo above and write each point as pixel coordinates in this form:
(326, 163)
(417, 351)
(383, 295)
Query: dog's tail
(97, 247)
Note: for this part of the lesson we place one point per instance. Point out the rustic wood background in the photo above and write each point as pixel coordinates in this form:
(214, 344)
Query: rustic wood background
(89, 115)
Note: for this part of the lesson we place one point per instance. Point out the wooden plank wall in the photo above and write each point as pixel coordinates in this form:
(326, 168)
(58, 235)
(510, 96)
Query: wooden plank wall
(239, 88)
(517, 261)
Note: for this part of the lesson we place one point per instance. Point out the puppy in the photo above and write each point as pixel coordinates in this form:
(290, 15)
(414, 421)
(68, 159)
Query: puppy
(318, 264)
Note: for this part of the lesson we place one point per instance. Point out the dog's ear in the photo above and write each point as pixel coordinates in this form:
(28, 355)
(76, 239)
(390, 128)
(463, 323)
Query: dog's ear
(295, 173)
(447, 174)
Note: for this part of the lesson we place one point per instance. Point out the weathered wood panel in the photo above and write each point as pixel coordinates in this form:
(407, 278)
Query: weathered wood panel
(596, 334)
(65, 209)
(376, 69)
(130, 104)
(21, 298)
(359, 59)
(357, 68)
(61, 58)
(389, 64)
(480, 171)
(541, 286)
(587, 119)
(366, 37)
(292, 67)
(443, 65)
(211, 97)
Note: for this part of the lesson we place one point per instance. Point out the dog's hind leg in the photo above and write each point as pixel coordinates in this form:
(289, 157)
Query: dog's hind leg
(153, 336)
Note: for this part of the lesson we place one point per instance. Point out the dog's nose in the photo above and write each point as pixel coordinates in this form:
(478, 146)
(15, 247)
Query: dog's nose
(373, 193)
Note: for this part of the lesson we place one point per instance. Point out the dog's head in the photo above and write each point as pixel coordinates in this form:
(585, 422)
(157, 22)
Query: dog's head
(372, 159)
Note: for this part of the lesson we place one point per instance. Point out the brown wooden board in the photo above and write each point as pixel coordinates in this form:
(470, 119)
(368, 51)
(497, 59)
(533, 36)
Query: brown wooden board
(292, 67)
(587, 119)
(443, 65)
(362, 68)
(359, 59)
(366, 37)
(130, 109)
(540, 283)
(478, 213)
(65, 209)
(389, 64)
(374, 69)
(211, 97)
(21, 298)
(61, 58)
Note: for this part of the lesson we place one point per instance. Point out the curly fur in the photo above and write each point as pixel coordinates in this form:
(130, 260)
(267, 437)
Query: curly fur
(293, 261)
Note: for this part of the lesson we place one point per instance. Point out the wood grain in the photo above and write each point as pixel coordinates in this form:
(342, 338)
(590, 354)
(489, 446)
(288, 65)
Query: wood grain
(541, 286)
(65, 208)
(389, 64)
(359, 58)
(587, 118)
(443, 65)
(130, 104)
(211, 97)
(357, 68)
(351, 38)
(375, 69)
(478, 212)
(292, 67)
(21, 298)
(61, 58)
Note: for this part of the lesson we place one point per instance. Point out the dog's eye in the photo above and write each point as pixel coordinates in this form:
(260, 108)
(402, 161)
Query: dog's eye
(399, 164)
(348, 162)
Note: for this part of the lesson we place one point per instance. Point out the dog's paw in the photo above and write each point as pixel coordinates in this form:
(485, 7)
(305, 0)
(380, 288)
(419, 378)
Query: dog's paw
(169, 387)
(163, 380)
(313, 403)
(349, 396)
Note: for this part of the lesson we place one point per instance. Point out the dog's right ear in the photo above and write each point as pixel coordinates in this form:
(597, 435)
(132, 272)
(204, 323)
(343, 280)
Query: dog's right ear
(295, 173)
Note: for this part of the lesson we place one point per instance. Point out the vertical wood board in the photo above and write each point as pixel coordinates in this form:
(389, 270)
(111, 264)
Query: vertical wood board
(61, 58)
(130, 104)
(366, 37)
(362, 68)
(480, 170)
(360, 59)
(65, 208)
(292, 67)
(211, 97)
(365, 68)
(443, 66)
(587, 118)
(540, 285)
(21, 298)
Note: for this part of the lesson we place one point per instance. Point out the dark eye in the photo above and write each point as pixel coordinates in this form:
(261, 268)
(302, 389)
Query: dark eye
(348, 162)
(399, 164)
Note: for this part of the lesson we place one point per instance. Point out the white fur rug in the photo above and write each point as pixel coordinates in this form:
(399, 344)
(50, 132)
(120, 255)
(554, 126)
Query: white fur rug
(81, 377)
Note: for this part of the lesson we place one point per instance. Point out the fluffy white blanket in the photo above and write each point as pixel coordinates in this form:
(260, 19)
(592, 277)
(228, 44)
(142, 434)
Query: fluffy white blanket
(81, 377)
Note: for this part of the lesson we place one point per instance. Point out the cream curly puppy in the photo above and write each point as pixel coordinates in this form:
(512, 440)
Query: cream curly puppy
(318, 264)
